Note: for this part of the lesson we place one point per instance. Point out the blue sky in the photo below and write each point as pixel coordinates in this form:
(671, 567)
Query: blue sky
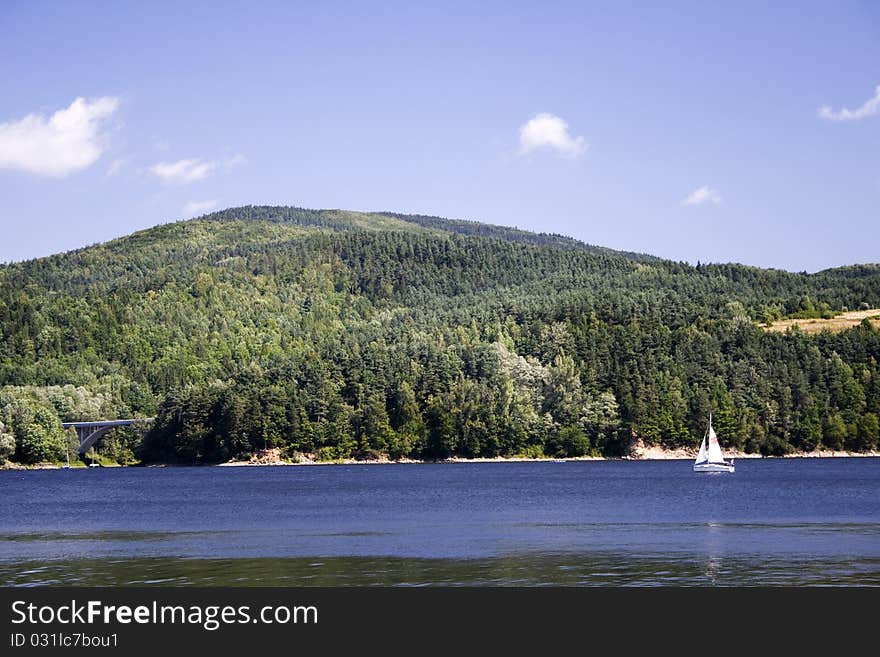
(689, 130)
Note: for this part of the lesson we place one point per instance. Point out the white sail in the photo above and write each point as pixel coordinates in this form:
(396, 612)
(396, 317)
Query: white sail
(701, 457)
(710, 458)
(715, 455)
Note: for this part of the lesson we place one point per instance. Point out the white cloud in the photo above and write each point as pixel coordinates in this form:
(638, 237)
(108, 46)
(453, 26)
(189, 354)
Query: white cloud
(702, 195)
(192, 208)
(869, 108)
(68, 141)
(550, 132)
(187, 171)
(183, 171)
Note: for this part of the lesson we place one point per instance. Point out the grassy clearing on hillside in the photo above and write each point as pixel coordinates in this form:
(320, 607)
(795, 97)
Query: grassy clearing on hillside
(835, 324)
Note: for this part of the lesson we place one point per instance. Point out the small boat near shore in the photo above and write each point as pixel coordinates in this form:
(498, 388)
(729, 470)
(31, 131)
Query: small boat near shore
(710, 458)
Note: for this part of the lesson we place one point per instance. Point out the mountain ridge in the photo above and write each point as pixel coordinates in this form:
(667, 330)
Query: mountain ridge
(339, 218)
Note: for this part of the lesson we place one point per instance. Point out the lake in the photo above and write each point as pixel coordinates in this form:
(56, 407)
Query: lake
(773, 522)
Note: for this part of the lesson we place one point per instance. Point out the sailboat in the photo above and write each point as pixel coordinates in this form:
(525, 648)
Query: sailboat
(710, 459)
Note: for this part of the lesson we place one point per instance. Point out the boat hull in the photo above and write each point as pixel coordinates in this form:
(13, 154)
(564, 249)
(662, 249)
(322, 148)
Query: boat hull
(713, 467)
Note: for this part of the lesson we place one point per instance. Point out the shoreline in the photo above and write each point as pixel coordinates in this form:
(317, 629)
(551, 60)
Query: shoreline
(651, 453)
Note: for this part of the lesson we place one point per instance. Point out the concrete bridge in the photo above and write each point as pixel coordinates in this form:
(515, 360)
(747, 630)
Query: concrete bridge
(89, 432)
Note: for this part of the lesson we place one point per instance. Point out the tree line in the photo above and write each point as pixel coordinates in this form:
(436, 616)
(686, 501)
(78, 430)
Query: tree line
(352, 335)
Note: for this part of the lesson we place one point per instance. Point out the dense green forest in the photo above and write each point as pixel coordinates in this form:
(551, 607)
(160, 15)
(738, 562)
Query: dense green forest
(352, 335)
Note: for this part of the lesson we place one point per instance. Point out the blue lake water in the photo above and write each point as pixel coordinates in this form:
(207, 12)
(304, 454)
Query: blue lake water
(775, 521)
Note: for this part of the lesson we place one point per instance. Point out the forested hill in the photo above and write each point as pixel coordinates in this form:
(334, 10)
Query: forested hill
(345, 334)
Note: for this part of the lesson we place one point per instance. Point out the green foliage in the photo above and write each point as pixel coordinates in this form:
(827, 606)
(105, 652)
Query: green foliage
(867, 434)
(37, 431)
(774, 446)
(7, 445)
(352, 335)
(834, 432)
(568, 441)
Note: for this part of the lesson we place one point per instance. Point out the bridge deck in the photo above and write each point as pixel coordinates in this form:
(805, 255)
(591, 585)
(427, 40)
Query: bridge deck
(90, 432)
(105, 423)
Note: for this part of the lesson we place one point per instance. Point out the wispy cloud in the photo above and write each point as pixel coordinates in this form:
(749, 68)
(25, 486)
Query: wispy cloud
(183, 171)
(869, 108)
(550, 132)
(234, 160)
(187, 171)
(192, 208)
(116, 166)
(70, 140)
(702, 195)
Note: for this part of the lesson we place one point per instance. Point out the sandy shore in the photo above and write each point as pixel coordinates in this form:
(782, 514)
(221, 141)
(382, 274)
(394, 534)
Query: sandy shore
(455, 459)
(655, 453)
(640, 453)
(54, 466)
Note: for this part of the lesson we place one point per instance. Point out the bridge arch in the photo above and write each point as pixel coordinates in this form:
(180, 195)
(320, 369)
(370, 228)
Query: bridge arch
(89, 432)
